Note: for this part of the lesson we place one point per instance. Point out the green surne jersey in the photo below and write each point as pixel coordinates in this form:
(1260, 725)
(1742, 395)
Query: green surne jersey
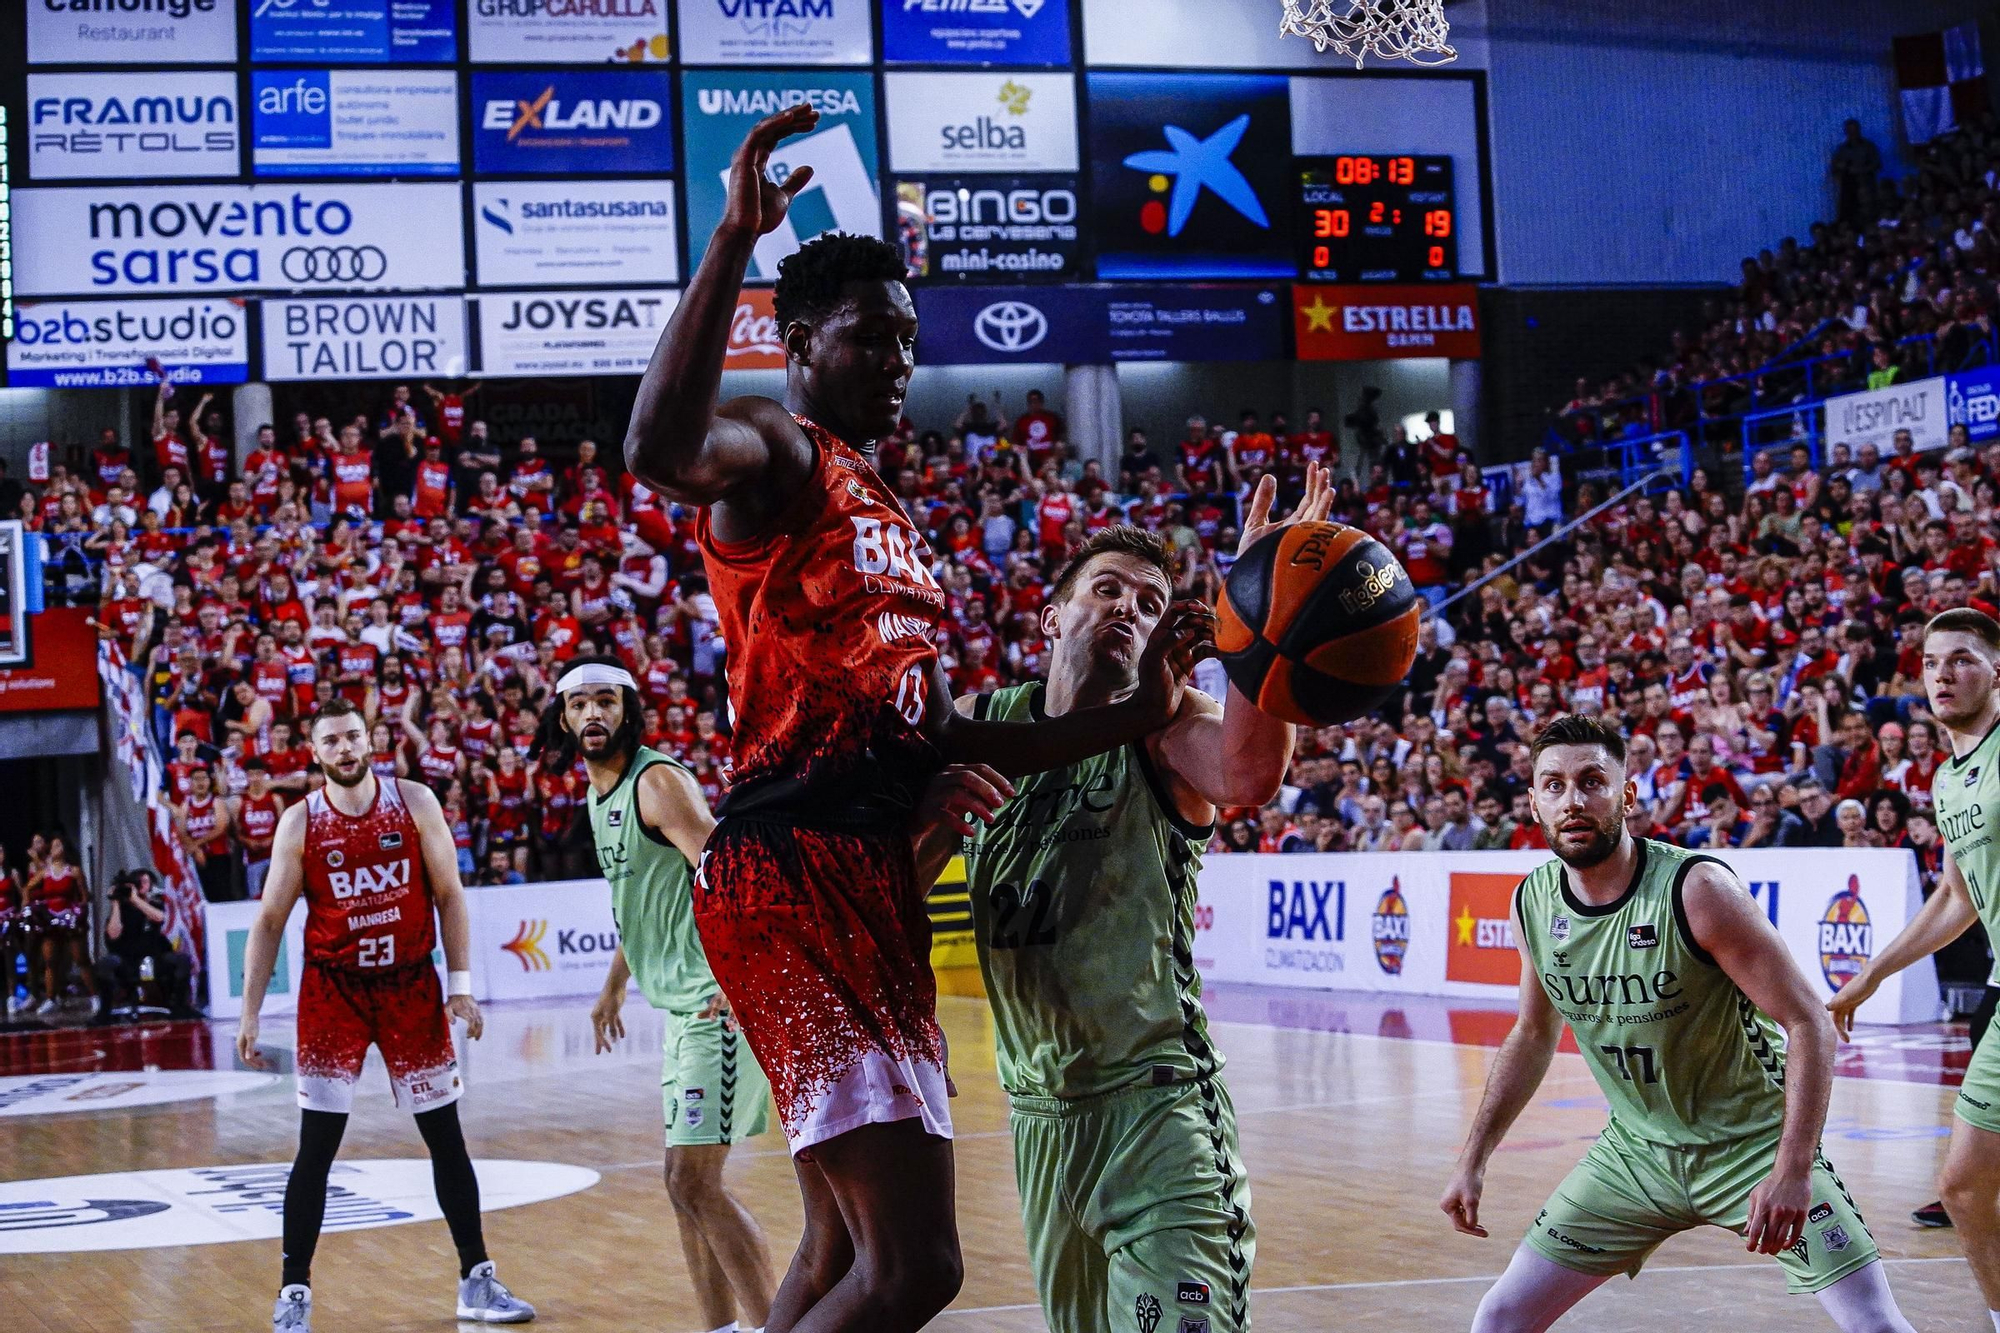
(1083, 895)
(652, 896)
(1966, 792)
(1681, 1053)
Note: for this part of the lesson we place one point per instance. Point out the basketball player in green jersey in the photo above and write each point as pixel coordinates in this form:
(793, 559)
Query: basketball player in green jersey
(1677, 988)
(649, 821)
(1133, 1193)
(1961, 651)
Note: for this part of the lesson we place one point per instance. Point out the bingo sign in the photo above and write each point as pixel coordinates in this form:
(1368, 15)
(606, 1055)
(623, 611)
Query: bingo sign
(106, 344)
(364, 337)
(355, 32)
(558, 32)
(1972, 400)
(571, 333)
(351, 122)
(982, 32)
(580, 122)
(776, 32)
(189, 238)
(718, 108)
(989, 229)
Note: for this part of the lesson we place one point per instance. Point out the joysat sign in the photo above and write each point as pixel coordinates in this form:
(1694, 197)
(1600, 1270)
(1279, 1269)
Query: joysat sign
(1380, 323)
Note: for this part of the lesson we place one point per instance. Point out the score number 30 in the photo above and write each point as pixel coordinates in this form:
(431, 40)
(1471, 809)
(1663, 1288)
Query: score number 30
(1338, 223)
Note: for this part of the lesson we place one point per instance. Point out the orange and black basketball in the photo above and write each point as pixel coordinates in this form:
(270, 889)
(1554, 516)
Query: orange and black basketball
(1318, 623)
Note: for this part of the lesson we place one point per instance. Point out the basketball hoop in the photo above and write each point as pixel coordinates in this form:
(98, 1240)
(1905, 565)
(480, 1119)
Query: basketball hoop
(1412, 30)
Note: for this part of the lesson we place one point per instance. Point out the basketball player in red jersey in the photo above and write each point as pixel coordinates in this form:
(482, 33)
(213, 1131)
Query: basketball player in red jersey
(806, 898)
(374, 859)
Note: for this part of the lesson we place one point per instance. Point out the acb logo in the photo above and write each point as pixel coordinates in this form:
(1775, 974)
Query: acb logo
(1846, 939)
(1390, 928)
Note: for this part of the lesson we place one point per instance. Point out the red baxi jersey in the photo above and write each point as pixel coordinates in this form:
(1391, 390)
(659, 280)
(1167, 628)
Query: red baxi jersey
(368, 900)
(836, 610)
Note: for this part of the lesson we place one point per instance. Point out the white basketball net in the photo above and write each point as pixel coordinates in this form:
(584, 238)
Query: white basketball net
(1412, 30)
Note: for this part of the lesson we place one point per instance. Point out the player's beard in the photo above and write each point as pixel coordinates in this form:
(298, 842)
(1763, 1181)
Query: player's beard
(595, 742)
(340, 779)
(1604, 838)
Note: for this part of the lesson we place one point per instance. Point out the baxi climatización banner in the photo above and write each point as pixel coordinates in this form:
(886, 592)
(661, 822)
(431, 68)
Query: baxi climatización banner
(1442, 923)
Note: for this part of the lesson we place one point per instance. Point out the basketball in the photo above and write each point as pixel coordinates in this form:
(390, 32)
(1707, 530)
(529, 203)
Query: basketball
(1318, 623)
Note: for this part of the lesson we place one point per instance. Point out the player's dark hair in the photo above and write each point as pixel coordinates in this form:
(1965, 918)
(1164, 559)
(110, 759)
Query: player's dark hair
(1965, 620)
(1576, 729)
(812, 280)
(338, 706)
(1124, 539)
(560, 745)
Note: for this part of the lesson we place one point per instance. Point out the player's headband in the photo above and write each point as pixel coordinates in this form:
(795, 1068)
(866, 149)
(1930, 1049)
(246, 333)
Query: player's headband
(595, 673)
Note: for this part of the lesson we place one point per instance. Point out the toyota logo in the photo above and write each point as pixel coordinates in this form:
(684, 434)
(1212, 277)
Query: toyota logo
(334, 263)
(1010, 326)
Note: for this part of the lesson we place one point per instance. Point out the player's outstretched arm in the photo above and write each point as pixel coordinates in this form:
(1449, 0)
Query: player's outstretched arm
(448, 893)
(1519, 1068)
(282, 887)
(958, 796)
(679, 443)
(1946, 915)
(1727, 924)
(1184, 636)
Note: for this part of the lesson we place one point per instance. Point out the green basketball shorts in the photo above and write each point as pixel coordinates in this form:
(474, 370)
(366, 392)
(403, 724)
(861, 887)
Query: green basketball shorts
(1978, 1102)
(710, 1086)
(1137, 1209)
(1628, 1195)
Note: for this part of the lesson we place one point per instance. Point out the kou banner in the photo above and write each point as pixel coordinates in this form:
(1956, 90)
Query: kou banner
(1442, 923)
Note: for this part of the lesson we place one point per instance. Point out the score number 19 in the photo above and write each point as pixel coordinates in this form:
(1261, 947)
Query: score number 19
(1338, 223)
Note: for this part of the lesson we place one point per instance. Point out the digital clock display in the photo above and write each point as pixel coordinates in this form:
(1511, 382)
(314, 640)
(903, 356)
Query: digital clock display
(1377, 218)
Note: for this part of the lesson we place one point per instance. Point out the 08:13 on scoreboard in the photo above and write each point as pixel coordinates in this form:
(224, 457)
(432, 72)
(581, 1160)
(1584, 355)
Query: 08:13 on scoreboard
(1369, 217)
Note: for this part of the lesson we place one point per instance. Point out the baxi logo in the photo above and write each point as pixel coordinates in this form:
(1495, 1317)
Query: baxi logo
(1010, 326)
(526, 946)
(1390, 927)
(1846, 939)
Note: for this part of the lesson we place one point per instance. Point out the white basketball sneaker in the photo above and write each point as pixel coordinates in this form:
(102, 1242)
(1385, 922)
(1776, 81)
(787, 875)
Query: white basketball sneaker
(481, 1297)
(294, 1311)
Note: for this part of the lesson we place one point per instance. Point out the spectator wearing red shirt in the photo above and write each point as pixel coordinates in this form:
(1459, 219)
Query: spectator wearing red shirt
(448, 405)
(1037, 431)
(169, 449)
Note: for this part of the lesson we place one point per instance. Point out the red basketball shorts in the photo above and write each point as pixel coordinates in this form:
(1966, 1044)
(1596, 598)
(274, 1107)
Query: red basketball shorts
(822, 944)
(401, 1012)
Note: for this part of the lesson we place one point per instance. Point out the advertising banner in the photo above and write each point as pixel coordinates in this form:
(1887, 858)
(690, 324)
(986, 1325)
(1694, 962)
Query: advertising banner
(1192, 175)
(719, 108)
(354, 32)
(1007, 325)
(1442, 923)
(106, 344)
(56, 655)
(535, 233)
(159, 123)
(1874, 417)
(1194, 323)
(572, 122)
(776, 32)
(221, 238)
(571, 333)
(364, 337)
(353, 122)
(981, 122)
(510, 32)
(1385, 321)
(1972, 400)
(986, 32)
(535, 940)
(204, 33)
(228, 938)
(988, 228)
(753, 333)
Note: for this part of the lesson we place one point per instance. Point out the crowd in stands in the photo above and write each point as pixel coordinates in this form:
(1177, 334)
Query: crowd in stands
(1755, 632)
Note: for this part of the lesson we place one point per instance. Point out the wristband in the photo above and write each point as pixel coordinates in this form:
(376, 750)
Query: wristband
(458, 983)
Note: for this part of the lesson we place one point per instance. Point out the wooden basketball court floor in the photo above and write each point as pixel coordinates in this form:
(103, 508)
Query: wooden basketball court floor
(1352, 1111)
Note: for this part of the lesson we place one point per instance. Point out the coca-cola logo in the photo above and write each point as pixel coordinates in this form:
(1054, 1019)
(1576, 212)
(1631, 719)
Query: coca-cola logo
(753, 332)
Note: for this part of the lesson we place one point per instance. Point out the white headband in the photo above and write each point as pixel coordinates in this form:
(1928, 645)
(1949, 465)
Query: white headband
(595, 673)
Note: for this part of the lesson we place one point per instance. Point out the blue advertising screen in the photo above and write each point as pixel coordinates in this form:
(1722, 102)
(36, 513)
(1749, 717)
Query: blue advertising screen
(360, 32)
(572, 122)
(961, 326)
(1182, 323)
(1972, 400)
(1000, 32)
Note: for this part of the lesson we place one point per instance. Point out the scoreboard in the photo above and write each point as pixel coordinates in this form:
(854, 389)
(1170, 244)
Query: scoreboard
(1369, 217)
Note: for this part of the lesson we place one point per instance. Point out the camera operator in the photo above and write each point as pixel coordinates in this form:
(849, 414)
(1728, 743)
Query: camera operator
(137, 950)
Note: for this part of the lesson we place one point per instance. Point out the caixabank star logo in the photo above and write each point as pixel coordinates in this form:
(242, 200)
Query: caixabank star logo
(1191, 175)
